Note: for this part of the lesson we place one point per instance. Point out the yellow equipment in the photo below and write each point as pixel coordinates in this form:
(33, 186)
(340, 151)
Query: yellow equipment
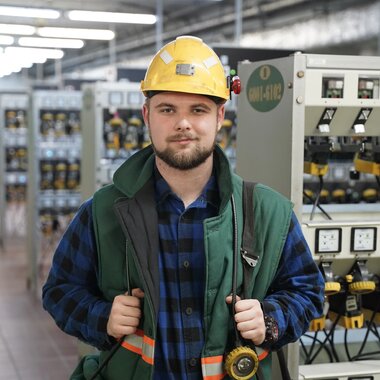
(242, 363)
(347, 303)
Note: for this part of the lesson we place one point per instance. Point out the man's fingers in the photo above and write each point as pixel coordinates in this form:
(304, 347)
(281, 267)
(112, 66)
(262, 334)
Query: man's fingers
(137, 292)
(127, 321)
(229, 299)
(129, 311)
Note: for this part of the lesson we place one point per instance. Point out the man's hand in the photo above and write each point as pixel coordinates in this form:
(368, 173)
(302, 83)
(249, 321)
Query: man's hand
(249, 319)
(125, 314)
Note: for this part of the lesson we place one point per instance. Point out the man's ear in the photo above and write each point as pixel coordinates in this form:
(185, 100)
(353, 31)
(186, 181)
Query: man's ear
(221, 113)
(145, 114)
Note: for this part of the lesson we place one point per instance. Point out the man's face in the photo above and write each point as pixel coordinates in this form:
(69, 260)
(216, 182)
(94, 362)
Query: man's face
(183, 127)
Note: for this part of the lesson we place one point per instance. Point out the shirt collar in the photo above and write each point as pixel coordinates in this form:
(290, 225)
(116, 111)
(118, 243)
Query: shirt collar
(209, 193)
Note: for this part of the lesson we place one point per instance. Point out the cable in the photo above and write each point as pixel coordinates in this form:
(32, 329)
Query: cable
(311, 346)
(234, 275)
(308, 354)
(316, 201)
(370, 324)
(307, 359)
(327, 339)
(284, 369)
(319, 206)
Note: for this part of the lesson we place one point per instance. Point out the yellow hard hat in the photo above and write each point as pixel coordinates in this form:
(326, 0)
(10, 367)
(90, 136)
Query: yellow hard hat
(188, 65)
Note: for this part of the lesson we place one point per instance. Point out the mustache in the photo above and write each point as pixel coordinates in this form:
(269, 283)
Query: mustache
(181, 136)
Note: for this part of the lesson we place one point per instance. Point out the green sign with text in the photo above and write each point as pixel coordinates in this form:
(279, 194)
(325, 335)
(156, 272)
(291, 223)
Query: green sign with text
(265, 88)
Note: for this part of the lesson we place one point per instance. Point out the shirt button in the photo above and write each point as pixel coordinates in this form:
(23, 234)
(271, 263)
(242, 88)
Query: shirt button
(189, 311)
(192, 362)
(186, 264)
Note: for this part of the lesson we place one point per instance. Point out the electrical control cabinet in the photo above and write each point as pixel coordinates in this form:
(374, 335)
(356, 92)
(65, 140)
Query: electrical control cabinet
(55, 145)
(113, 129)
(309, 126)
(13, 164)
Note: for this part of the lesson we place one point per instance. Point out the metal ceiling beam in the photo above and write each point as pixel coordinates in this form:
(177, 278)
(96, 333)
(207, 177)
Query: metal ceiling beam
(193, 28)
(350, 25)
(216, 26)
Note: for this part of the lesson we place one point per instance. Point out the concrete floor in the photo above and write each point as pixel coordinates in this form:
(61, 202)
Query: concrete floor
(31, 345)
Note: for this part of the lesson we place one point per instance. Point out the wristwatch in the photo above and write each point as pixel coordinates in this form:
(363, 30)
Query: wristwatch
(271, 331)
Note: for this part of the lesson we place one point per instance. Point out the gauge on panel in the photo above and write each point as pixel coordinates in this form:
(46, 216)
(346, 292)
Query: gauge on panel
(328, 240)
(363, 239)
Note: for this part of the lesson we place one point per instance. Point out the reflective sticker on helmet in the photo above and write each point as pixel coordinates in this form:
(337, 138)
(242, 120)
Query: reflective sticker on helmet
(211, 61)
(184, 69)
(166, 57)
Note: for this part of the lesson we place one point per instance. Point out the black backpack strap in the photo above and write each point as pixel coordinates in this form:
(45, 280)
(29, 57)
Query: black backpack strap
(249, 257)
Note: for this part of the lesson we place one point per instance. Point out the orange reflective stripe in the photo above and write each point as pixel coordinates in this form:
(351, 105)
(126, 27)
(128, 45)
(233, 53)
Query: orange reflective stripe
(147, 359)
(212, 359)
(214, 377)
(212, 368)
(132, 348)
(140, 344)
(148, 340)
(261, 353)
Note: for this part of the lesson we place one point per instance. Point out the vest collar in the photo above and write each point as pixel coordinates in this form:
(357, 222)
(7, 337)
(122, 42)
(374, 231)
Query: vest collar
(132, 175)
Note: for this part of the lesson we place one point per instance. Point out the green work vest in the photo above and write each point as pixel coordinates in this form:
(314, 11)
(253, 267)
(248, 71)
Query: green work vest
(126, 228)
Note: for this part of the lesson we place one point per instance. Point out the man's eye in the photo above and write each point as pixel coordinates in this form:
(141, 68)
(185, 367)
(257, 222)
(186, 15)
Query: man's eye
(199, 110)
(166, 110)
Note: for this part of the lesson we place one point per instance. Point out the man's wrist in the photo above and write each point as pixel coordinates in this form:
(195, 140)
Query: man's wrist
(271, 331)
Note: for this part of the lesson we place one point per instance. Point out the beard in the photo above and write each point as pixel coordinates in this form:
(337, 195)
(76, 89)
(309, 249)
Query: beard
(184, 160)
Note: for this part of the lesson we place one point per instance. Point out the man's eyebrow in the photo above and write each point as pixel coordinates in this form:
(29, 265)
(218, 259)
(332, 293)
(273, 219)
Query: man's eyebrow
(163, 104)
(195, 105)
(204, 105)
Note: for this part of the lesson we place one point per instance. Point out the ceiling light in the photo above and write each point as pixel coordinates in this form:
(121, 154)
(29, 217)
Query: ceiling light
(118, 17)
(27, 65)
(12, 63)
(6, 40)
(29, 12)
(17, 29)
(86, 34)
(47, 53)
(51, 42)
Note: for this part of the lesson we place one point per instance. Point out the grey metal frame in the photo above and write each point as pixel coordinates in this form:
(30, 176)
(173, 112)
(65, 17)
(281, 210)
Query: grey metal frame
(270, 145)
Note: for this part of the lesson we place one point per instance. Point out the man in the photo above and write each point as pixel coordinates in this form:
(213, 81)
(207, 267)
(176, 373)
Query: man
(146, 266)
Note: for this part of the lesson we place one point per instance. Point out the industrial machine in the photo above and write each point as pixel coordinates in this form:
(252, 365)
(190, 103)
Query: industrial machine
(55, 144)
(113, 129)
(309, 126)
(13, 164)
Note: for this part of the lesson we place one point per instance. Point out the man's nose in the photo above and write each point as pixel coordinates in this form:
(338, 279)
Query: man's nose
(183, 124)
